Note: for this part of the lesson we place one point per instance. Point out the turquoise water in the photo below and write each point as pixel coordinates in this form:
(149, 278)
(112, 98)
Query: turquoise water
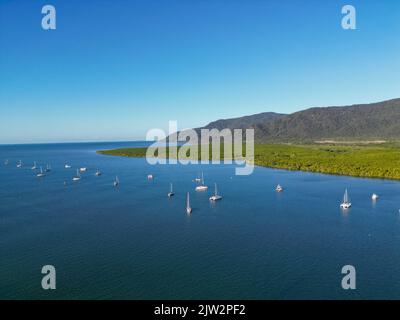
(132, 242)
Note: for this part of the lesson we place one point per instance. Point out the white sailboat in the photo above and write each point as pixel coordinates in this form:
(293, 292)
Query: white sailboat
(116, 182)
(202, 186)
(346, 204)
(98, 173)
(171, 193)
(41, 174)
(48, 168)
(188, 207)
(374, 197)
(215, 197)
(34, 166)
(278, 188)
(19, 165)
(77, 177)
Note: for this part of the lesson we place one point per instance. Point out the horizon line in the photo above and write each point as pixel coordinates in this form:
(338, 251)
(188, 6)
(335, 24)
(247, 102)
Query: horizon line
(209, 122)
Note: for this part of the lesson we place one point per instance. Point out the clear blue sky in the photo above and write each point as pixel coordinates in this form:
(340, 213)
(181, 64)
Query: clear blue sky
(114, 69)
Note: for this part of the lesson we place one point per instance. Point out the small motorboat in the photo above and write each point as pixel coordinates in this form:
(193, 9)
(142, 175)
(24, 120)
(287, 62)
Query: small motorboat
(374, 197)
(83, 169)
(278, 188)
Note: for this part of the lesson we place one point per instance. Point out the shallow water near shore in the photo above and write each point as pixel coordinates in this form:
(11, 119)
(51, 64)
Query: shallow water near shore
(132, 242)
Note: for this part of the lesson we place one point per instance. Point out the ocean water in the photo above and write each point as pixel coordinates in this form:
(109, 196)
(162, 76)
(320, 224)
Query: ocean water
(132, 242)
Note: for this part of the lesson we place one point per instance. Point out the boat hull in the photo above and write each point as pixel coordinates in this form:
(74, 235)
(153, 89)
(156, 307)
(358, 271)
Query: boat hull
(215, 198)
(345, 205)
(201, 188)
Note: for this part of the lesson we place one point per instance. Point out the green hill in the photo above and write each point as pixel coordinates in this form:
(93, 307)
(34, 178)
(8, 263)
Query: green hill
(375, 121)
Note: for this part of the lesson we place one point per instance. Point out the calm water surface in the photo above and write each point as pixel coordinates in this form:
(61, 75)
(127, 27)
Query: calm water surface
(133, 242)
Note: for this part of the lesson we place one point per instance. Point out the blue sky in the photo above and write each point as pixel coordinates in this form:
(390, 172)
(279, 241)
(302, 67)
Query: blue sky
(114, 69)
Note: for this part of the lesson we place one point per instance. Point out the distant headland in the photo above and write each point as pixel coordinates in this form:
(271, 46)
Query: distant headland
(357, 140)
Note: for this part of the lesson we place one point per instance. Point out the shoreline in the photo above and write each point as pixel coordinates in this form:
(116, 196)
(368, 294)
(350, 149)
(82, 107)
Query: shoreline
(371, 162)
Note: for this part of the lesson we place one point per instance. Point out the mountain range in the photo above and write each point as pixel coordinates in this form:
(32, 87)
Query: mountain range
(374, 121)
